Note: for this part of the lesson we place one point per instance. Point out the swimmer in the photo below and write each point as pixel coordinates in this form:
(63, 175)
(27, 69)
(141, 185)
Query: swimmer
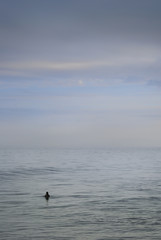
(47, 196)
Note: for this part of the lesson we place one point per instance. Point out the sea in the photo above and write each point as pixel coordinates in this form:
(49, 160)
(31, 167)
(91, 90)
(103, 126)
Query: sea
(95, 194)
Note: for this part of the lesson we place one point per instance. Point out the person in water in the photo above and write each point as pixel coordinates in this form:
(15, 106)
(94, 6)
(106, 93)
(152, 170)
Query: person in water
(47, 195)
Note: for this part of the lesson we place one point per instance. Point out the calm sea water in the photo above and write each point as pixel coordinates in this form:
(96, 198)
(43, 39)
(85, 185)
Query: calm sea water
(95, 194)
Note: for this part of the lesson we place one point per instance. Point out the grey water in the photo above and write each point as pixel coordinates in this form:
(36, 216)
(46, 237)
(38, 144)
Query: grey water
(96, 194)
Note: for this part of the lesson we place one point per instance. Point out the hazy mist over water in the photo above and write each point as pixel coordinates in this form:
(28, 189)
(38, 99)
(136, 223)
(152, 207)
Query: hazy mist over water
(96, 194)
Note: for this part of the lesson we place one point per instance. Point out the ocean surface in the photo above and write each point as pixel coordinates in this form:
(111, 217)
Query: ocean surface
(96, 194)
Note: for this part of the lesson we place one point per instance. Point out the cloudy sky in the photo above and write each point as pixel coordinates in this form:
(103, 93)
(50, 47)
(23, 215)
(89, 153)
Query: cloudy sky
(80, 73)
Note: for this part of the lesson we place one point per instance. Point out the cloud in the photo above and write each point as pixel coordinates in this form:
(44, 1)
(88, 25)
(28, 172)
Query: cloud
(56, 28)
(80, 72)
(72, 66)
(65, 43)
(130, 67)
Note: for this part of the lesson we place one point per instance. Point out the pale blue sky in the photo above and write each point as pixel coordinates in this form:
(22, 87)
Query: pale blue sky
(80, 73)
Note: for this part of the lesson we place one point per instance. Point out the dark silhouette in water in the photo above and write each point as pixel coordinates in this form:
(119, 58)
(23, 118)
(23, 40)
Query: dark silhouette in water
(47, 196)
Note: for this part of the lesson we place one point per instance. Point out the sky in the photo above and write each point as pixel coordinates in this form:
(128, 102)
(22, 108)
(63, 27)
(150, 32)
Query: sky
(80, 73)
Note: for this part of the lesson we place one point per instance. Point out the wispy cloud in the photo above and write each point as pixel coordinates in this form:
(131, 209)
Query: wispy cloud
(115, 68)
(117, 62)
